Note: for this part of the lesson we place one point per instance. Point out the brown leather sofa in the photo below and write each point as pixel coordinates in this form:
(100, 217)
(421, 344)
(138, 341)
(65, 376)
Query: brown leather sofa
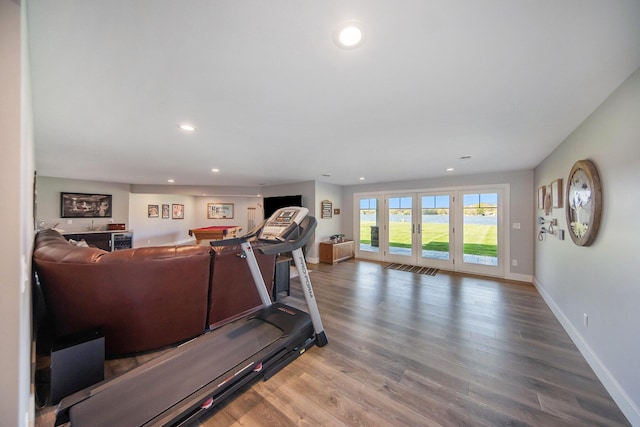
(145, 298)
(230, 297)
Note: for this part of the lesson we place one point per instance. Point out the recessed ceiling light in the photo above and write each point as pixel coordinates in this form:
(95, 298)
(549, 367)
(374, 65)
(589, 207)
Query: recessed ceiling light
(187, 127)
(171, 180)
(349, 35)
(215, 170)
(449, 169)
(362, 178)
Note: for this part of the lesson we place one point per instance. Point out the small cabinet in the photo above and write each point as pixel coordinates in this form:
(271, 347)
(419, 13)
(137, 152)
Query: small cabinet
(105, 240)
(95, 240)
(331, 253)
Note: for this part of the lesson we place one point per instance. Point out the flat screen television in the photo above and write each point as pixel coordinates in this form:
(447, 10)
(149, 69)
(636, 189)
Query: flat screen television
(272, 204)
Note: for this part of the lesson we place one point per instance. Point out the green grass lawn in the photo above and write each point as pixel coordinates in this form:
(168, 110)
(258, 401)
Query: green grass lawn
(479, 239)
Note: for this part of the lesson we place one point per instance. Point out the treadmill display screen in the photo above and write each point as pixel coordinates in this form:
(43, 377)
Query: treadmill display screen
(285, 217)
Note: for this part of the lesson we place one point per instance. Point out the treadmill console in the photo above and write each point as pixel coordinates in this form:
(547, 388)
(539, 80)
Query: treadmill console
(280, 225)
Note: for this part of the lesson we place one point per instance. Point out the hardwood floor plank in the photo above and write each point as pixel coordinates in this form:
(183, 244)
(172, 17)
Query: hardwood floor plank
(418, 350)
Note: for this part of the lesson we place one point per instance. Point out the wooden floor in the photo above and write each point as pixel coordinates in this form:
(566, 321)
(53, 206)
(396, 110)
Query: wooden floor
(415, 350)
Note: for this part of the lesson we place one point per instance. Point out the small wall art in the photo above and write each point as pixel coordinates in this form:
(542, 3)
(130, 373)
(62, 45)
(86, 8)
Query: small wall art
(219, 210)
(541, 193)
(177, 211)
(326, 209)
(556, 194)
(165, 211)
(153, 211)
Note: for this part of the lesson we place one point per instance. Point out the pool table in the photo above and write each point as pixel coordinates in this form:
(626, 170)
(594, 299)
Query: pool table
(215, 232)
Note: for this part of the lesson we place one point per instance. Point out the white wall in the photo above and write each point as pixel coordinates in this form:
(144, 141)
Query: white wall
(48, 202)
(159, 231)
(16, 187)
(602, 279)
(521, 205)
(309, 200)
(241, 206)
(329, 226)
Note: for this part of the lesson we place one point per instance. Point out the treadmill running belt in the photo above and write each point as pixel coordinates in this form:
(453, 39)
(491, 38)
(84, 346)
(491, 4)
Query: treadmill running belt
(183, 372)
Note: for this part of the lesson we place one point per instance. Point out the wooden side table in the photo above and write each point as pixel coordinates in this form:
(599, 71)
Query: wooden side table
(331, 253)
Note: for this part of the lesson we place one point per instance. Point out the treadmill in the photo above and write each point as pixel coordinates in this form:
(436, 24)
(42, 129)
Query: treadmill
(178, 387)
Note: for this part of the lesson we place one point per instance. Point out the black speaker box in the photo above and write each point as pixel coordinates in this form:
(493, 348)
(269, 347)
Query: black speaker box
(77, 362)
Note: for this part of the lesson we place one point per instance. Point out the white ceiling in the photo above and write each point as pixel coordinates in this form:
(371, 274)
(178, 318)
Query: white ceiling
(274, 100)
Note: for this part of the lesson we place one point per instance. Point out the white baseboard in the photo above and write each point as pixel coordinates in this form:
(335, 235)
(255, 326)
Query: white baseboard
(519, 277)
(618, 394)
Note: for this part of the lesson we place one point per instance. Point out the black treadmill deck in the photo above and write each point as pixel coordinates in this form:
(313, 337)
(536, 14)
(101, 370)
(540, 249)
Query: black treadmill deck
(159, 391)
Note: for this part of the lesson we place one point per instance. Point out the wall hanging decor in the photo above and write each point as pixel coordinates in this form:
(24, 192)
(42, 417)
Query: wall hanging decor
(219, 210)
(153, 211)
(81, 205)
(326, 209)
(584, 202)
(177, 211)
(541, 193)
(556, 193)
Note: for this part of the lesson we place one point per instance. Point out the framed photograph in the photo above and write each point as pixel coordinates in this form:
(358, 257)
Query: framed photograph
(219, 210)
(177, 211)
(541, 194)
(165, 211)
(82, 205)
(556, 193)
(153, 211)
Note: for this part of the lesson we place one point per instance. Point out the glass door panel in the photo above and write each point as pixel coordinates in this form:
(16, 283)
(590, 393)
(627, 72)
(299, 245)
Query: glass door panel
(369, 220)
(400, 229)
(480, 232)
(436, 243)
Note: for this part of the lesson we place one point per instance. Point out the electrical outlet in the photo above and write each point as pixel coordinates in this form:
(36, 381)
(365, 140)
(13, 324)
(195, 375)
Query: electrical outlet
(516, 226)
(69, 222)
(514, 262)
(586, 320)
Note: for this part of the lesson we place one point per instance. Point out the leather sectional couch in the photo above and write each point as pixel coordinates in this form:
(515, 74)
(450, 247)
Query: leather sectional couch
(145, 298)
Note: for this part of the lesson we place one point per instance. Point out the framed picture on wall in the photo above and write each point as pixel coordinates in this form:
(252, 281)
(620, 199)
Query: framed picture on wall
(541, 194)
(219, 210)
(165, 211)
(556, 193)
(177, 211)
(82, 205)
(153, 211)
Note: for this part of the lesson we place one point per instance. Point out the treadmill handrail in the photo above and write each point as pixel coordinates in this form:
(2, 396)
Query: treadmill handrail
(307, 226)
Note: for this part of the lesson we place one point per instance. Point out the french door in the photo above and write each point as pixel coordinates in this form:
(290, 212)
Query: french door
(458, 229)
